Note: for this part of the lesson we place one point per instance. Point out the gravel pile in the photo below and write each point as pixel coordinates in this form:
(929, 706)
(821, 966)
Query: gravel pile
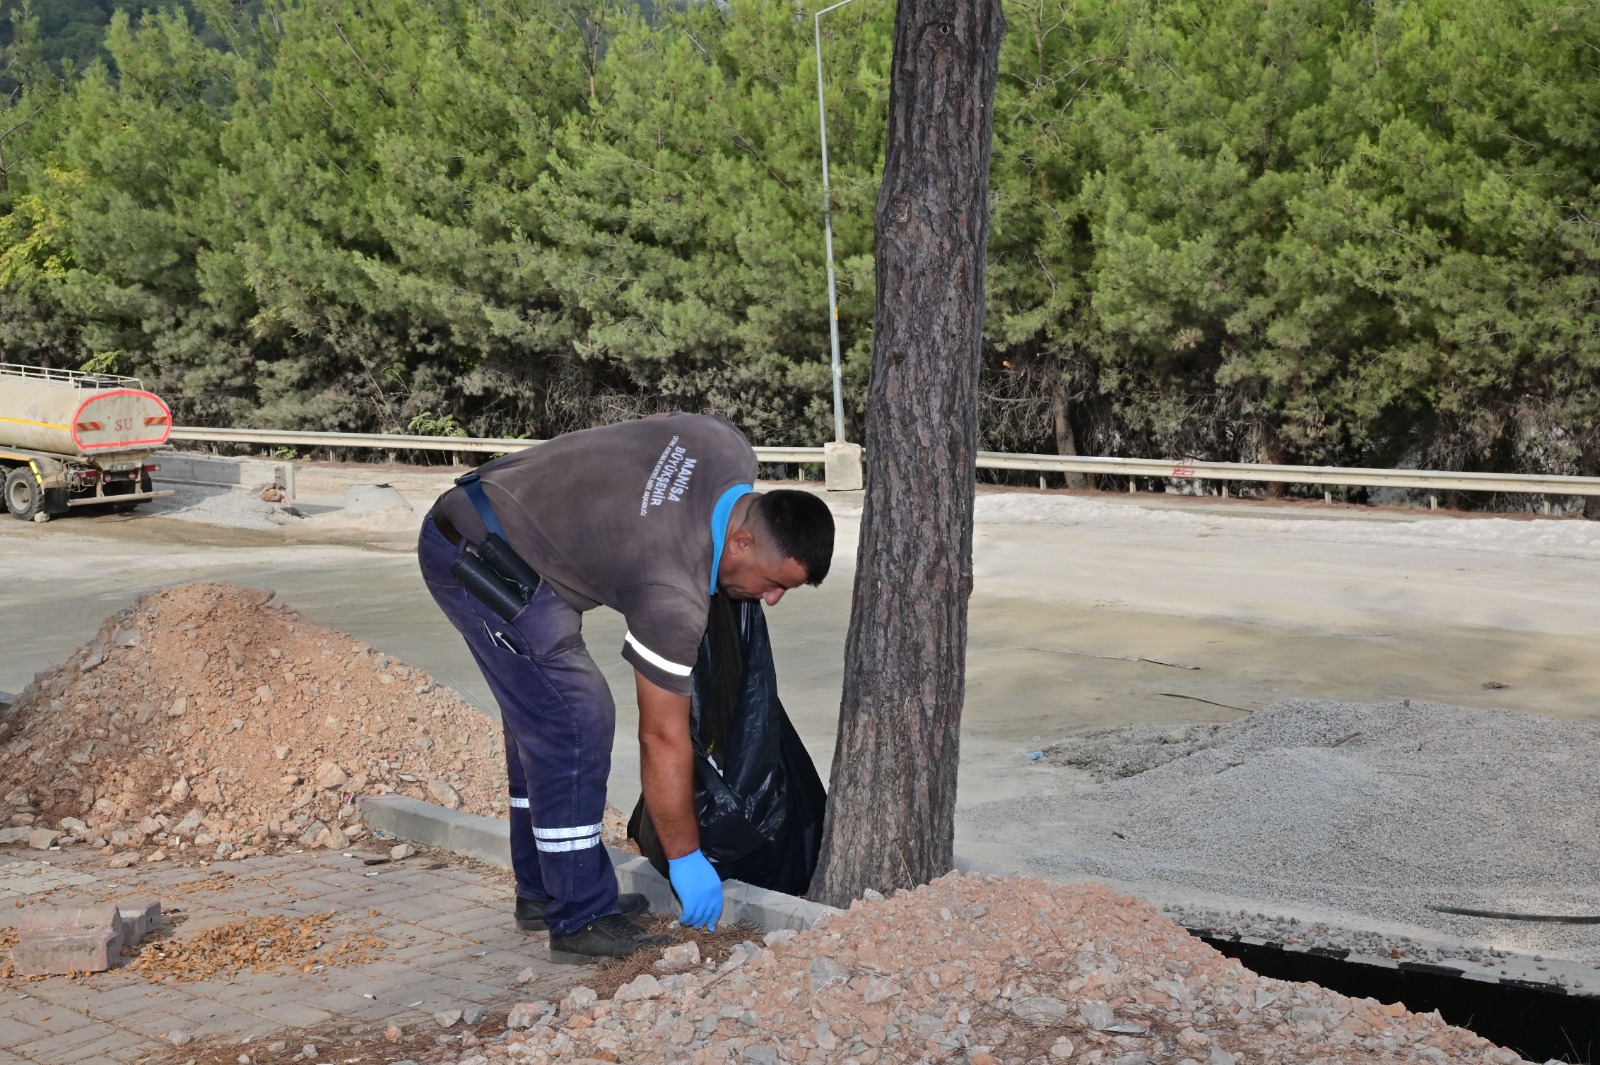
(1371, 811)
(977, 970)
(215, 719)
(220, 506)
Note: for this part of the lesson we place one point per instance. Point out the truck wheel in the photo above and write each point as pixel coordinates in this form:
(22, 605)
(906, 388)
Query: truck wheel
(23, 494)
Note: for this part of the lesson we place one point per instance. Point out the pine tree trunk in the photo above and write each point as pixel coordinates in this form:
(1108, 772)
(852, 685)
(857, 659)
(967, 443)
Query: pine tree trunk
(1065, 443)
(891, 812)
(1273, 453)
(1589, 466)
(595, 420)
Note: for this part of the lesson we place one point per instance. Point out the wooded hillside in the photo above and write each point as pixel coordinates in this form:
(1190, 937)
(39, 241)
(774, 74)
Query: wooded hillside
(1322, 231)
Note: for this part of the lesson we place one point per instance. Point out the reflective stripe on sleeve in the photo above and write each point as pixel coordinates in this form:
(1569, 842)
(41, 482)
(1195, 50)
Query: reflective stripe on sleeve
(656, 660)
(519, 804)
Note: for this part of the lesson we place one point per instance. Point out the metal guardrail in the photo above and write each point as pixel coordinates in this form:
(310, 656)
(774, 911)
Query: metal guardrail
(1428, 480)
(399, 442)
(1367, 477)
(384, 441)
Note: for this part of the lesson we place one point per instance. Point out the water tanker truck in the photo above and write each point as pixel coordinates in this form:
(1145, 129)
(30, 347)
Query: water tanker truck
(72, 439)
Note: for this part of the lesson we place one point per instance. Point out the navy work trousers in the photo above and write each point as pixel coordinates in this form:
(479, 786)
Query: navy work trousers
(559, 720)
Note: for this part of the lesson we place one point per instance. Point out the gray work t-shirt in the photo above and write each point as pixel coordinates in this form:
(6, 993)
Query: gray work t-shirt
(621, 516)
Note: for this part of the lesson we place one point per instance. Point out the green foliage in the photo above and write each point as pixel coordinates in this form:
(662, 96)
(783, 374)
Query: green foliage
(105, 362)
(430, 424)
(1311, 230)
(1295, 230)
(687, 199)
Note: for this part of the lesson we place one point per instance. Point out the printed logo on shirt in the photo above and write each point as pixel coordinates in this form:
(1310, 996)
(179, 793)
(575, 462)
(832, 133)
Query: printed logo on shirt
(670, 478)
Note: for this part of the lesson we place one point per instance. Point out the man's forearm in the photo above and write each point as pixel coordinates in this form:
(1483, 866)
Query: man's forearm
(666, 767)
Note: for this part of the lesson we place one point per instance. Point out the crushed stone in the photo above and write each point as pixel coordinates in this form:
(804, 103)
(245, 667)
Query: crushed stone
(979, 970)
(220, 506)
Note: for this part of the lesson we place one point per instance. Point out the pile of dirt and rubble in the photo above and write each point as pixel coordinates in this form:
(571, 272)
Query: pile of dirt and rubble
(978, 970)
(215, 720)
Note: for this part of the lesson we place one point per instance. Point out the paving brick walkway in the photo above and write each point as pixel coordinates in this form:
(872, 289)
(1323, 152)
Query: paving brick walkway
(446, 942)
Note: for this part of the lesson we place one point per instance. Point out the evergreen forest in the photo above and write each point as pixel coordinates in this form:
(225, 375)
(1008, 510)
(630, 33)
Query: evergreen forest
(1345, 232)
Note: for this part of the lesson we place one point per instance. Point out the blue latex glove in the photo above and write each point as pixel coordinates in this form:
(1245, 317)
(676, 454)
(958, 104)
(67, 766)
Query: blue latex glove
(699, 890)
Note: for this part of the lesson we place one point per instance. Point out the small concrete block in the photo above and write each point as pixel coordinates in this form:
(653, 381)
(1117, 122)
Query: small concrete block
(67, 939)
(228, 473)
(842, 466)
(139, 919)
(92, 952)
(45, 920)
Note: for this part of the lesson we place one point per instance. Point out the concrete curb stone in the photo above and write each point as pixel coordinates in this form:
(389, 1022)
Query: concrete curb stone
(139, 919)
(54, 940)
(487, 839)
(68, 939)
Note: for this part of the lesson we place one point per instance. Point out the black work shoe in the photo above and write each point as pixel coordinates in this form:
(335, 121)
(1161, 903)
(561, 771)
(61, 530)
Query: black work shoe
(530, 914)
(604, 938)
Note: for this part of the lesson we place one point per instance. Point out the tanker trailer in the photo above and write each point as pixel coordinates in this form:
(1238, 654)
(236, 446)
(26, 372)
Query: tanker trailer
(71, 439)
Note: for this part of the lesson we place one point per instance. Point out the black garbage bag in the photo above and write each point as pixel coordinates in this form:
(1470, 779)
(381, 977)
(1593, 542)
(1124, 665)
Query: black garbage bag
(757, 795)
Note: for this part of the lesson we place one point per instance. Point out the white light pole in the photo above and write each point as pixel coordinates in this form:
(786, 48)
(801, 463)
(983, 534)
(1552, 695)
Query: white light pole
(827, 231)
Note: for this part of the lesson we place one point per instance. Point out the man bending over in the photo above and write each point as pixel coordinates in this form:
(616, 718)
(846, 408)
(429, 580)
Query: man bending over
(650, 518)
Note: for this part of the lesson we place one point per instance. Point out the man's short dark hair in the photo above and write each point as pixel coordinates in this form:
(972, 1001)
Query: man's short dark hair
(801, 528)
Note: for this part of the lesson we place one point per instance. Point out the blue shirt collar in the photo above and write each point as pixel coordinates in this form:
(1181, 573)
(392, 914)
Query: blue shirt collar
(719, 526)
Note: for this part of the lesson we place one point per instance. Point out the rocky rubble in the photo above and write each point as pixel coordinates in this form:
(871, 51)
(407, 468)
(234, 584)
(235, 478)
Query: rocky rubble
(215, 721)
(977, 970)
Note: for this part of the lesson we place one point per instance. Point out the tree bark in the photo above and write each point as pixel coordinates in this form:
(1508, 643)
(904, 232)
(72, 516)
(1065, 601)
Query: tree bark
(1589, 466)
(1066, 444)
(1273, 453)
(891, 814)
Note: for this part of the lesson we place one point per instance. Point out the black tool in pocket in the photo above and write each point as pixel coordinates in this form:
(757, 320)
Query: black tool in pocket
(487, 586)
(509, 565)
(496, 577)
